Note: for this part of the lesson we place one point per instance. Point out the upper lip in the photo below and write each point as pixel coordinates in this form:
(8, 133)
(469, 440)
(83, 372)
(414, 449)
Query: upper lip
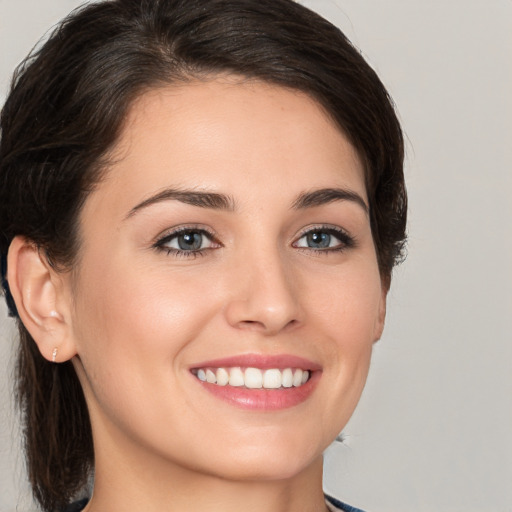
(263, 361)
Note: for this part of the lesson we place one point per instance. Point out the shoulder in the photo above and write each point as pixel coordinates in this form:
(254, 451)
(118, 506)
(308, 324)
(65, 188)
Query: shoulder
(337, 506)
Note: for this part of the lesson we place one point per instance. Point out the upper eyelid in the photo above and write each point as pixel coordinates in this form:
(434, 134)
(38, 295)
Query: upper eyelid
(162, 239)
(212, 235)
(347, 240)
(171, 232)
(325, 227)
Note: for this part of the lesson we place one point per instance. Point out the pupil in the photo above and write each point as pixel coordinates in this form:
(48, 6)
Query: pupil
(190, 241)
(319, 240)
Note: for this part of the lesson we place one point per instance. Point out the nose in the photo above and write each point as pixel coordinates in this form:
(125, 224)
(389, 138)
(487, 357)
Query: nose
(264, 296)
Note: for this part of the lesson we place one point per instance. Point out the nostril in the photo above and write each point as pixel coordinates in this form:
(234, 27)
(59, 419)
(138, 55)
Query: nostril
(267, 327)
(251, 324)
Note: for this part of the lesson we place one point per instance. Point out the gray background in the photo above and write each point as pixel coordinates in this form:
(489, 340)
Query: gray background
(433, 430)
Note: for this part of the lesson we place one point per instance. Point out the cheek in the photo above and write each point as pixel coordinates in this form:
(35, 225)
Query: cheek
(133, 330)
(346, 302)
(142, 310)
(345, 308)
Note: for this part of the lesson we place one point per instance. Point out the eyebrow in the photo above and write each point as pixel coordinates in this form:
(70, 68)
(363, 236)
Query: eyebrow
(212, 200)
(328, 195)
(217, 201)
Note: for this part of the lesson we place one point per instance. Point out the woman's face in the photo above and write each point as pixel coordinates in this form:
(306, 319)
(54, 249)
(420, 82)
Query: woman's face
(230, 241)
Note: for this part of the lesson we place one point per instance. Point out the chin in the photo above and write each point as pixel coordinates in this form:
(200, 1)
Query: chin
(262, 469)
(275, 458)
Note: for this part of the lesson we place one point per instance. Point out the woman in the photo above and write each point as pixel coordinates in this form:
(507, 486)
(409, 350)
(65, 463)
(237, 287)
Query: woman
(201, 205)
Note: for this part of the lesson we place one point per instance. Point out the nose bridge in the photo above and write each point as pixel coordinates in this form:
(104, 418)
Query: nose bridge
(263, 294)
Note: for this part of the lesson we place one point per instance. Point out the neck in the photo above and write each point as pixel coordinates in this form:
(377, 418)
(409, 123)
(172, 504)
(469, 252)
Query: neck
(183, 490)
(128, 479)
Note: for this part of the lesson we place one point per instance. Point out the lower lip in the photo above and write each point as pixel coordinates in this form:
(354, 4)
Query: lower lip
(264, 399)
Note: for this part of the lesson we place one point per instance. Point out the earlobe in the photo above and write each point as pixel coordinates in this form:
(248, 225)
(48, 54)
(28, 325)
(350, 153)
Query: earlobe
(37, 291)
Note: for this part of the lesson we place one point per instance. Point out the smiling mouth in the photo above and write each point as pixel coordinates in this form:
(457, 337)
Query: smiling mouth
(253, 378)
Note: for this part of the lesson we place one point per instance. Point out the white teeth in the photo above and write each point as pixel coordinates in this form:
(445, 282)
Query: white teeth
(222, 377)
(272, 379)
(236, 377)
(287, 379)
(254, 378)
(297, 377)
(210, 377)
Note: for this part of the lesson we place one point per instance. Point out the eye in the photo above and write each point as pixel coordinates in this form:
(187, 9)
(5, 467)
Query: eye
(187, 242)
(325, 239)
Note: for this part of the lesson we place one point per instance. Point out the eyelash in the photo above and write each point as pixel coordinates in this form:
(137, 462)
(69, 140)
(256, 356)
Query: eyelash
(345, 241)
(171, 251)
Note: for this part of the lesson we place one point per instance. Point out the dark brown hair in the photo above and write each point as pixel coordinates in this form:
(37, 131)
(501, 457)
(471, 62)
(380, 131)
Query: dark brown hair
(65, 110)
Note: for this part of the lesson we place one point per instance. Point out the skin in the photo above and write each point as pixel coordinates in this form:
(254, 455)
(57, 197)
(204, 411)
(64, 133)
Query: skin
(136, 317)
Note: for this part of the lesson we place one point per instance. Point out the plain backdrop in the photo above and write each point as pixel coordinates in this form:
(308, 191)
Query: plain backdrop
(433, 429)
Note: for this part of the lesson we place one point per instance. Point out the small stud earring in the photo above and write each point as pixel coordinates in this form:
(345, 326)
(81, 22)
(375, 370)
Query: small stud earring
(54, 354)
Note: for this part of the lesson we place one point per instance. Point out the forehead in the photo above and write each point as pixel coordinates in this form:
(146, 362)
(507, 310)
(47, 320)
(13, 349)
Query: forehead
(227, 133)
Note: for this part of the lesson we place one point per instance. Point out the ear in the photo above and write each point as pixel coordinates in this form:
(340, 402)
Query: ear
(40, 297)
(381, 314)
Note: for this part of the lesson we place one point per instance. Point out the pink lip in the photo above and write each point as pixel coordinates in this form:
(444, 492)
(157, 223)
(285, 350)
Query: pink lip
(262, 399)
(261, 361)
